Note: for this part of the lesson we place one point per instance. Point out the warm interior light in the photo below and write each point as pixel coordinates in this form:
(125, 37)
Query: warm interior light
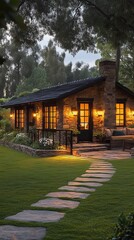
(34, 114)
(74, 111)
(11, 115)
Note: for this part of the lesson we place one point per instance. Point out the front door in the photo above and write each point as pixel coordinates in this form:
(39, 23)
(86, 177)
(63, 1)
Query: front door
(85, 121)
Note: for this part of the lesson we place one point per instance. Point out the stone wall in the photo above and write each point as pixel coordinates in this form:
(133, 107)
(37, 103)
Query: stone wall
(35, 152)
(95, 93)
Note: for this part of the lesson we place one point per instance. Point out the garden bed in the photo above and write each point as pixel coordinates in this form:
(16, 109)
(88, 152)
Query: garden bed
(35, 152)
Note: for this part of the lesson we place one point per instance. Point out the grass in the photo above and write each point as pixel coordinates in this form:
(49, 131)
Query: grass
(24, 180)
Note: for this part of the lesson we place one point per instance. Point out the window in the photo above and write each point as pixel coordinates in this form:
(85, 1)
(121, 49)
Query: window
(84, 116)
(50, 117)
(19, 118)
(120, 114)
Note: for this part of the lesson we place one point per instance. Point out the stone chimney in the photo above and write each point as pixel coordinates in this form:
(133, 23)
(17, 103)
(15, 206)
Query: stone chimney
(108, 70)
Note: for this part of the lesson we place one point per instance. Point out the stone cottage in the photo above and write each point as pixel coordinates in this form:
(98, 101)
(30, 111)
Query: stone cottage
(87, 105)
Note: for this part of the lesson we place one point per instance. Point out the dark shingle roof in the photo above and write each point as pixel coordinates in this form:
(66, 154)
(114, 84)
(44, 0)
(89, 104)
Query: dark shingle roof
(54, 93)
(61, 91)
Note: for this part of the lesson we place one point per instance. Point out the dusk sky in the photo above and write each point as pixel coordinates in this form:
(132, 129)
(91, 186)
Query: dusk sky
(83, 56)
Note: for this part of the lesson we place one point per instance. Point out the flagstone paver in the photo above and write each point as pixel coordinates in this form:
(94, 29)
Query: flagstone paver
(97, 175)
(37, 216)
(82, 179)
(88, 184)
(100, 171)
(56, 203)
(77, 189)
(101, 165)
(101, 168)
(9, 232)
(68, 195)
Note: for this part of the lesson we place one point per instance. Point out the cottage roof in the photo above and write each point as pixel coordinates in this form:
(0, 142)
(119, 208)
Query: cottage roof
(61, 91)
(56, 92)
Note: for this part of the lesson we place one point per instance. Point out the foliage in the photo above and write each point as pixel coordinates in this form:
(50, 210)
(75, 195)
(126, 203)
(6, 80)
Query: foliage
(5, 124)
(124, 229)
(8, 137)
(22, 138)
(126, 76)
(53, 62)
(36, 80)
(2, 132)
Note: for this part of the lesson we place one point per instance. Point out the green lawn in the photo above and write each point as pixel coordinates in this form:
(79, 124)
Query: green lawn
(24, 180)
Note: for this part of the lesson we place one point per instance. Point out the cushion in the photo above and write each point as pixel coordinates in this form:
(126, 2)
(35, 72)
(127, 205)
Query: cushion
(107, 132)
(130, 131)
(118, 133)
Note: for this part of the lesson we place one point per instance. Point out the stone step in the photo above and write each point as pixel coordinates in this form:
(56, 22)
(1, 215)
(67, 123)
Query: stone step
(90, 149)
(77, 189)
(97, 175)
(92, 179)
(41, 216)
(91, 145)
(56, 203)
(87, 184)
(9, 232)
(71, 195)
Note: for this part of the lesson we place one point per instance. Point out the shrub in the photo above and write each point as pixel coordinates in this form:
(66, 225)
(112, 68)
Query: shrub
(35, 145)
(22, 138)
(6, 125)
(8, 137)
(2, 132)
(124, 229)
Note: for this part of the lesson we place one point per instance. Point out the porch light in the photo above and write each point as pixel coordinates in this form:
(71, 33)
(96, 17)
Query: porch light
(11, 114)
(34, 114)
(99, 113)
(74, 111)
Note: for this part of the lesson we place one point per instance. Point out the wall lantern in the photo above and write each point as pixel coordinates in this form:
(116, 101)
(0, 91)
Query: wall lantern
(133, 113)
(36, 110)
(99, 113)
(34, 114)
(11, 114)
(74, 111)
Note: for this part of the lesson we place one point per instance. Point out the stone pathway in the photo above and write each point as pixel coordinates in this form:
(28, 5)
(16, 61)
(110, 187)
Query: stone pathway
(81, 188)
(107, 155)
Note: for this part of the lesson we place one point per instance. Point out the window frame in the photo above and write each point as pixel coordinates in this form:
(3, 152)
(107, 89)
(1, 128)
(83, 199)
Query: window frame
(121, 101)
(50, 116)
(19, 118)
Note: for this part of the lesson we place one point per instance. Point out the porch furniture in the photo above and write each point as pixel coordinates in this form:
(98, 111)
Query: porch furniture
(128, 144)
(119, 137)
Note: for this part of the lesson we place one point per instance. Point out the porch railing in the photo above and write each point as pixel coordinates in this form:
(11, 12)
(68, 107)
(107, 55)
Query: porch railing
(60, 138)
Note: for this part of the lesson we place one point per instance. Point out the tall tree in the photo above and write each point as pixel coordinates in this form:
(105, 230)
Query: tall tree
(53, 63)
(37, 80)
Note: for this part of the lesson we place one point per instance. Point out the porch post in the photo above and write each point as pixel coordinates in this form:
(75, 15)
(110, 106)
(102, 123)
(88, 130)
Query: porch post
(26, 119)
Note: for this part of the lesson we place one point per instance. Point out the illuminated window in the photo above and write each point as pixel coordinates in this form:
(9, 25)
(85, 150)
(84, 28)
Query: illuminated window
(120, 114)
(84, 116)
(50, 117)
(19, 118)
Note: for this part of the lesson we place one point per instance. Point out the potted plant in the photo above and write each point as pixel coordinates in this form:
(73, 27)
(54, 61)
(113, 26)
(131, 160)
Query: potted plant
(75, 135)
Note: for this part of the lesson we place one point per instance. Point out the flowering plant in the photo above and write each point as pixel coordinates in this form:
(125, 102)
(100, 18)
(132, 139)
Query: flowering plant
(46, 142)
